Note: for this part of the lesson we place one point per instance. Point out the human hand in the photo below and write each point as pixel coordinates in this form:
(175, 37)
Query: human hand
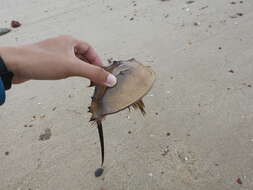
(55, 58)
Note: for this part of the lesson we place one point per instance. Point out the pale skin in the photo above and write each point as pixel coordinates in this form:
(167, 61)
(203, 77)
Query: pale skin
(55, 58)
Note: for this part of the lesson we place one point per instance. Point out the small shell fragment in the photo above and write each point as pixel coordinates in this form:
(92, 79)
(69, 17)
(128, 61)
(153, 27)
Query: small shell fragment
(15, 24)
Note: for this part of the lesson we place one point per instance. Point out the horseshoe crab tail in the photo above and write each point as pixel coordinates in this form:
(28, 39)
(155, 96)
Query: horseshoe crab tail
(101, 138)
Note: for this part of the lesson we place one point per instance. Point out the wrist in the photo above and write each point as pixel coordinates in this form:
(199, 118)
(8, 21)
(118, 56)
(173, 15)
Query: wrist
(7, 53)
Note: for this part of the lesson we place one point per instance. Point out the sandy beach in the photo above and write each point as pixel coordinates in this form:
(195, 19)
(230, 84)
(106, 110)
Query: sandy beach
(197, 133)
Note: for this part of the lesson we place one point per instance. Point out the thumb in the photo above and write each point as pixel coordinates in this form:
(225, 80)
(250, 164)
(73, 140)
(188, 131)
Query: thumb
(95, 73)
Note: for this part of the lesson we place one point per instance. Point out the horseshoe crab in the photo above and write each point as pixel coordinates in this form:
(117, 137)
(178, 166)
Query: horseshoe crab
(134, 80)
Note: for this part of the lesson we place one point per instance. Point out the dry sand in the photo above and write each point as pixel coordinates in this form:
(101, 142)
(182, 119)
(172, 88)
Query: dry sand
(198, 132)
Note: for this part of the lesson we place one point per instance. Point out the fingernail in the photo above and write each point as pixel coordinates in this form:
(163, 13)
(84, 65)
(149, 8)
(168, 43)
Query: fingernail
(111, 80)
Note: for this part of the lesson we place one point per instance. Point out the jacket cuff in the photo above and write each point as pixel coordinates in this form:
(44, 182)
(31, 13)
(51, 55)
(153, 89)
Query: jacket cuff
(2, 92)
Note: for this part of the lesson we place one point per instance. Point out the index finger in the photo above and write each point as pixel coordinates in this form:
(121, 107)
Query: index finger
(88, 53)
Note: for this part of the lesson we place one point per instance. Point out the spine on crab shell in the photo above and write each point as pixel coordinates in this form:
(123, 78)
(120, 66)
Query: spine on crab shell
(139, 105)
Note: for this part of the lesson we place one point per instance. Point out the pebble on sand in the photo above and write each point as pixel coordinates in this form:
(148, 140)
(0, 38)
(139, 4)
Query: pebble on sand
(99, 172)
(4, 31)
